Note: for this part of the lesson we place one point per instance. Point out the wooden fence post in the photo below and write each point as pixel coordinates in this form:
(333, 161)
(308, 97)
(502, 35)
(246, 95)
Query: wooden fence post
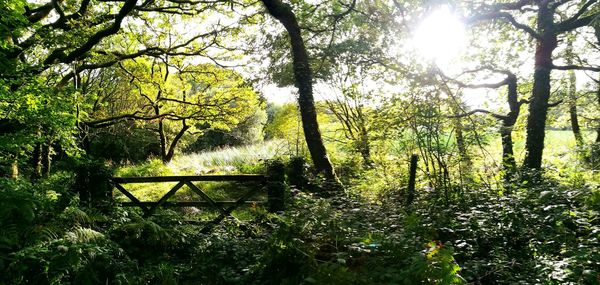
(93, 185)
(297, 172)
(412, 179)
(276, 186)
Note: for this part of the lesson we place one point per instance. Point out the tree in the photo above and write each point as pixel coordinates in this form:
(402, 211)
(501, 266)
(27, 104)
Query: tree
(597, 80)
(195, 97)
(545, 34)
(303, 77)
(355, 117)
(507, 120)
(572, 93)
(46, 46)
(33, 120)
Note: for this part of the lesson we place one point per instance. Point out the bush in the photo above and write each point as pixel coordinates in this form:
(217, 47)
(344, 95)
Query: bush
(123, 143)
(82, 256)
(248, 131)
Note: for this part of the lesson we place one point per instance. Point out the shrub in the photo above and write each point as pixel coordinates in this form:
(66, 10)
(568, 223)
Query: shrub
(123, 143)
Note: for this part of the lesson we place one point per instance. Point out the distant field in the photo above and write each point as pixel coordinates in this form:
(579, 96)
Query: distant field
(560, 160)
(558, 144)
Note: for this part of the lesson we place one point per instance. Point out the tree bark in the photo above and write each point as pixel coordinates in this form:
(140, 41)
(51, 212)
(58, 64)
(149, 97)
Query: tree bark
(14, 169)
(46, 159)
(572, 94)
(508, 158)
(161, 133)
(303, 76)
(598, 99)
(37, 161)
(365, 148)
(538, 106)
(460, 140)
(412, 178)
(169, 156)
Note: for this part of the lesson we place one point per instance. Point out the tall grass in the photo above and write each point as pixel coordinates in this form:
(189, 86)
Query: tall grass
(243, 159)
(230, 159)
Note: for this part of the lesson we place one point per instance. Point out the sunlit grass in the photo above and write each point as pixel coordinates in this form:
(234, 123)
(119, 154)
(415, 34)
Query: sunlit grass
(561, 161)
(244, 159)
(561, 158)
(560, 147)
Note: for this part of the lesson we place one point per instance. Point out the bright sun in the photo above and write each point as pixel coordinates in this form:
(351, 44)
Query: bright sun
(440, 37)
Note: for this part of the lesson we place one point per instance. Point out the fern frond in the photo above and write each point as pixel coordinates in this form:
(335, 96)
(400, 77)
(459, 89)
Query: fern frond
(84, 235)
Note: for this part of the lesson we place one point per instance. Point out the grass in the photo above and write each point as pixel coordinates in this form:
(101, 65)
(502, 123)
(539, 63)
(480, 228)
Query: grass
(243, 159)
(559, 150)
(561, 159)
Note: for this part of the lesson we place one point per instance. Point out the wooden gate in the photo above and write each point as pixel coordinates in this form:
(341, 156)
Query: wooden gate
(225, 208)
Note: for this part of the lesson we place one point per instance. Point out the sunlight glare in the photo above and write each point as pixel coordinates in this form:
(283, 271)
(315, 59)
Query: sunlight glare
(440, 37)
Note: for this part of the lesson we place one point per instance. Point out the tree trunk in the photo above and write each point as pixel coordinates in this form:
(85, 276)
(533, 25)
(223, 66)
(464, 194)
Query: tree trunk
(365, 148)
(169, 156)
(508, 158)
(37, 161)
(14, 169)
(412, 178)
(161, 134)
(573, 113)
(572, 94)
(460, 140)
(41, 157)
(303, 76)
(598, 99)
(536, 123)
(46, 159)
(538, 106)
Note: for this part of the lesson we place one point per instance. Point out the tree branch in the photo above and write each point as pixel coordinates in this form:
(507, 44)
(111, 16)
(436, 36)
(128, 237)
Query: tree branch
(508, 18)
(576, 67)
(554, 104)
(94, 39)
(497, 116)
(39, 13)
(576, 21)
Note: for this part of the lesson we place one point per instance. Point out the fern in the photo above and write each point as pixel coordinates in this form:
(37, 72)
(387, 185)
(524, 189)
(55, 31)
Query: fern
(151, 231)
(76, 216)
(84, 235)
(9, 235)
(48, 234)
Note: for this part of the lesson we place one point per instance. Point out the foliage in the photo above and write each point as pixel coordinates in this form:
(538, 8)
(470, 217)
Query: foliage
(123, 143)
(194, 99)
(284, 123)
(542, 231)
(35, 114)
(247, 132)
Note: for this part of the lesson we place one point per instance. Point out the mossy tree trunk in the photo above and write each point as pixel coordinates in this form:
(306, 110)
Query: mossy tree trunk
(303, 77)
(508, 123)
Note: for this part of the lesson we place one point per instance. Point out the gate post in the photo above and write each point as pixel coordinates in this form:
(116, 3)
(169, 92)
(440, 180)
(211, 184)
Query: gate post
(276, 186)
(297, 173)
(92, 183)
